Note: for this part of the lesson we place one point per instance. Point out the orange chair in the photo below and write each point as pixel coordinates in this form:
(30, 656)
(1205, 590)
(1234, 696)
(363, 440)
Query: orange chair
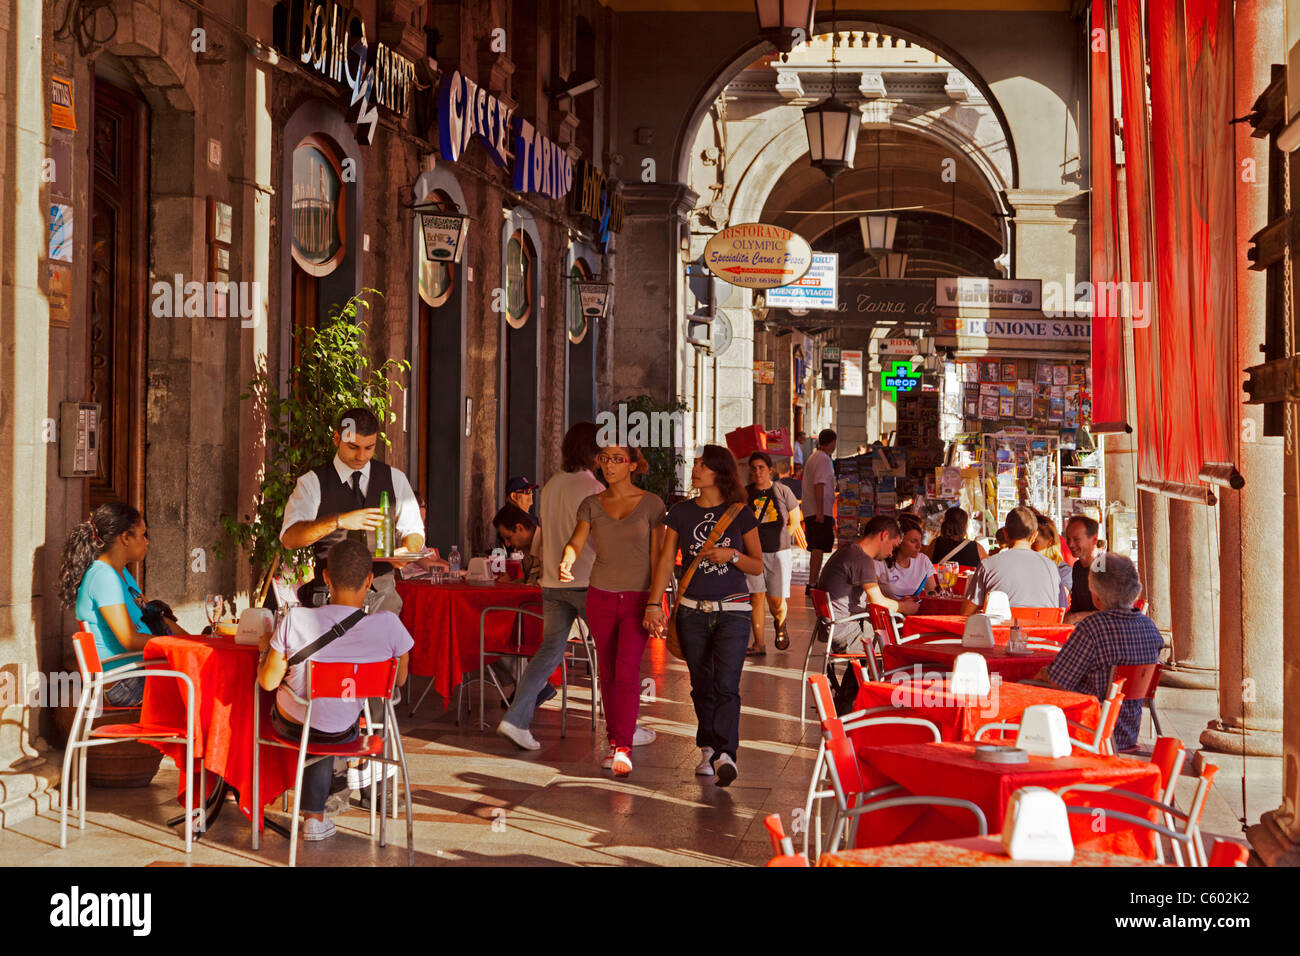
(1140, 683)
(828, 622)
(1038, 615)
(1100, 744)
(334, 681)
(1227, 853)
(782, 845)
(1189, 836)
(83, 735)
(1168, 755)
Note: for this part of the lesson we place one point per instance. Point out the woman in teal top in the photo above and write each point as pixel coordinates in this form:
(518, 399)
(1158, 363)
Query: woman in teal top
(94, 580)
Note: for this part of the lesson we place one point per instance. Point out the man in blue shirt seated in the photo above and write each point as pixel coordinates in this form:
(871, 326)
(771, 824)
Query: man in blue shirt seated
(1115, 634)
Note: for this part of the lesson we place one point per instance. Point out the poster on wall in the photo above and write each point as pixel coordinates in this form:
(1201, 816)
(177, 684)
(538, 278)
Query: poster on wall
(851, 360)
(816, 289)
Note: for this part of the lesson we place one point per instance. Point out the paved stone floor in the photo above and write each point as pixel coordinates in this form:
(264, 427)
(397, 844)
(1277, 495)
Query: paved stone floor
(480, 801)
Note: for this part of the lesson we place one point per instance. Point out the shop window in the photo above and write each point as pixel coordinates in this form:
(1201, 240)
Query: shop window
(519, 280)
(579, 324)
(317, 209)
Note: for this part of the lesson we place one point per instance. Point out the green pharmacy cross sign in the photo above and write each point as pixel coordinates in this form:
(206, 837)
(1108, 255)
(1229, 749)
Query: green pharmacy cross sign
(899, 378)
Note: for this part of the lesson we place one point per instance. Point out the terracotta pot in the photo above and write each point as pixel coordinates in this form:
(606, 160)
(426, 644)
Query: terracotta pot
(125, 764)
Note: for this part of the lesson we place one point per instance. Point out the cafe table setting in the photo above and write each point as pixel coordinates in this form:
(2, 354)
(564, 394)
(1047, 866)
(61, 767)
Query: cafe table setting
(939, 653)
(966, 851)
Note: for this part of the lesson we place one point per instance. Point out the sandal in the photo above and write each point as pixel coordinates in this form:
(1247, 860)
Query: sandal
(782, 637)
(756, 651)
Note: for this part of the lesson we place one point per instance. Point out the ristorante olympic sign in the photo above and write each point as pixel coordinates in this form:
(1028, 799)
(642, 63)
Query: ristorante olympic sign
(758, 256)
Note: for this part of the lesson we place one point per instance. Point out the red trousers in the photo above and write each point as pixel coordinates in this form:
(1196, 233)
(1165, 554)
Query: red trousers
(615, 622)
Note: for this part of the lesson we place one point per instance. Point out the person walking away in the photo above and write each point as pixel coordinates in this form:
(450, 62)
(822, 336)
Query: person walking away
(626, 524)
(361, 639)
(95, 582)
(777, 512)
(819, 503)
(786, 477)
(713, 612)
(341, 499)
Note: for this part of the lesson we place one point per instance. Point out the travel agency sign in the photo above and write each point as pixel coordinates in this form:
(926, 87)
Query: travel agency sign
(758, 256)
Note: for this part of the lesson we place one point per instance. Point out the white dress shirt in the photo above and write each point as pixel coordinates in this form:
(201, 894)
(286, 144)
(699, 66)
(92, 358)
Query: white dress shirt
(305, 502)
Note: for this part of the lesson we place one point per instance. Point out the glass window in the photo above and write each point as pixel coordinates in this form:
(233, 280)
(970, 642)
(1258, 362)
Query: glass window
(519, 280)
(317, 210)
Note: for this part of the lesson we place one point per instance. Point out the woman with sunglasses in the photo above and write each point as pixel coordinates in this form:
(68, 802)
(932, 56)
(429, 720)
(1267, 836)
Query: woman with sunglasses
(94, 580)
(626, 525)
(713, 614)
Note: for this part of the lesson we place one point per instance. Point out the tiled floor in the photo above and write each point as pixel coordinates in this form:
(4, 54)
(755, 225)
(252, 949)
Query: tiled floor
(480, 801)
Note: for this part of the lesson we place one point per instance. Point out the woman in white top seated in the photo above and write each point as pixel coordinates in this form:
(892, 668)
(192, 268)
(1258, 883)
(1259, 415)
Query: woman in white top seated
(908, 572)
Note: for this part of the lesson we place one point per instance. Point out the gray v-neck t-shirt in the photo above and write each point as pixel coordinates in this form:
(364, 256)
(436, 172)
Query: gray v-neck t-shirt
(622, 546)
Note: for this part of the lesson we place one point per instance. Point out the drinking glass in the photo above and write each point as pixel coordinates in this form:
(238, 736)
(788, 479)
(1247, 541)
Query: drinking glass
(213, 605)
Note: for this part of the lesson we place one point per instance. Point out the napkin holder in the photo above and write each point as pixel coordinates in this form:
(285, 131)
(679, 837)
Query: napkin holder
(1036, 827)
(970, 676)
(254, 623)
(478, 571)
(998, 607)
(978, 631)
(1043, 731)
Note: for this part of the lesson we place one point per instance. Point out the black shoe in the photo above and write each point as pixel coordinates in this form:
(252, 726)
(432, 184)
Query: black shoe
(339, 783)
(725, 771)
(782, 637)
(546, 693)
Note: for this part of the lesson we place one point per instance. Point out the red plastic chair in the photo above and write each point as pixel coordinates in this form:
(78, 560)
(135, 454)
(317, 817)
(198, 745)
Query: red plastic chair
(1038, 615)
(1227, 853)
(822, 606)
(84, 735)
(1140, 681)
(335, 681)
(1100, 742)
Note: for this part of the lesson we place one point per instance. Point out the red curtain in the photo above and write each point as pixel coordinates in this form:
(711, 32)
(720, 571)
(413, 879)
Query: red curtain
(1108, 359)
(1137, 159)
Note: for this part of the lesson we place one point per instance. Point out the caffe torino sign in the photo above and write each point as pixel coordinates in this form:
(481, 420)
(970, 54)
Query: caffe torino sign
(330, 38)
(467, 111)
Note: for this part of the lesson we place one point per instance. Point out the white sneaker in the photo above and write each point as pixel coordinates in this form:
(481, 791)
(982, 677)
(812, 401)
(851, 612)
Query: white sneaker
(313, 829)
(360, 777)
(643, 736)
(608, 762)
(522, 738)
(726, 771)
(705, 769)
(622, 764)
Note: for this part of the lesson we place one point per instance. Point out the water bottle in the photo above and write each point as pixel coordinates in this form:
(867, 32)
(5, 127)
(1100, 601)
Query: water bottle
(1015, 640)
(453, 559)
(384, 533)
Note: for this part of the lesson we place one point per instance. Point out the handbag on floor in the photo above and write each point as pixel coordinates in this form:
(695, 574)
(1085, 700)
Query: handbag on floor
(674, 643)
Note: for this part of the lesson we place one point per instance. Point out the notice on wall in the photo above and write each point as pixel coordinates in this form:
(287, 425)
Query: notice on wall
(59, 294)
(60, 233)
(851, 360)
(818, 289)
(764, 373)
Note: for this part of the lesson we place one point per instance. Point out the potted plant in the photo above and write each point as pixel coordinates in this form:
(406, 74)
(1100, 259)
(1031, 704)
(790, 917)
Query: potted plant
(664, 462)
(333, 373)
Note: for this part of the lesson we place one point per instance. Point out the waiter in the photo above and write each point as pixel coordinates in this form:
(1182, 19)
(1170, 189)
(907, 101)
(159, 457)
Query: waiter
(340, 499)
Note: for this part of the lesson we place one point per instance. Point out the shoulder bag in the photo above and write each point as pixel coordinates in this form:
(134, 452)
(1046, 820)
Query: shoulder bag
(675, 645)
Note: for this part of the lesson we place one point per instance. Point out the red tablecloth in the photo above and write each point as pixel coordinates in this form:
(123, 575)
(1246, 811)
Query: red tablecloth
(1016, 668)
(959, 717)
(955, 624)
(971, 851)
(444, 621)
(951, 770)
(224, 675)
(940, 605)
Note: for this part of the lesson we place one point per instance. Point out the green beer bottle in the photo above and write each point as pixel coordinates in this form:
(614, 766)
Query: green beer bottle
(384, 533)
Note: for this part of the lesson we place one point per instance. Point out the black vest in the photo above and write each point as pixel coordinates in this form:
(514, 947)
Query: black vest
(336, 498)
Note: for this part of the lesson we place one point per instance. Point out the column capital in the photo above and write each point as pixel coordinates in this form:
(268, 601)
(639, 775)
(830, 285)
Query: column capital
(1063, 204)
(655, 200)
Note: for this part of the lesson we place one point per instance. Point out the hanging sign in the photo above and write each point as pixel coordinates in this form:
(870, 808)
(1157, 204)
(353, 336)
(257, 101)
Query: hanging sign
(61, 110)
(899, 379)
(593, 297)
(817, 289)
(541, 165)
(597, 199)
(852, 362)
(757, 256)
(975, 293)
(898, 346)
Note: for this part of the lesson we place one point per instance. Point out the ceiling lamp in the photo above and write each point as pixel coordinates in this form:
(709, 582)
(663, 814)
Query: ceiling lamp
(785, 23)
(832, 128)
(893, 265)
(878, 231)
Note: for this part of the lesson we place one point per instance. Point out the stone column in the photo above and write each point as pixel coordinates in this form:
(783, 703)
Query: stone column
(1153, 556)
(1250, 613)
(1193, 596)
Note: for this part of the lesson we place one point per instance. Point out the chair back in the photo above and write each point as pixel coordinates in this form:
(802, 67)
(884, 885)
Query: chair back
(882, 622)
(781, 844)
(788, 860)
(339, 680)
(842, 761)
(1227, 853)
(1038, 615)
(822, 604)
(1168, 755)
(822, 696)
(1205, 772)
(83, 644)
(1140, 680)
(858, 673)
(1110, 708)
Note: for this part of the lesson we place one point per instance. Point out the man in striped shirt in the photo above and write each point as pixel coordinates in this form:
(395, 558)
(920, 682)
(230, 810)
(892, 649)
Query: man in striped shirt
(1116, 634)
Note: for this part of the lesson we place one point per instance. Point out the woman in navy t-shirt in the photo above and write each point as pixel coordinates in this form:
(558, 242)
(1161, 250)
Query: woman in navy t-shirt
(713, 616)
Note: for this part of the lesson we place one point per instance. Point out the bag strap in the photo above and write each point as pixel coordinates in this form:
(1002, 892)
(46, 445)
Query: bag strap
(961, 546)
(718, 529)
(329, 637)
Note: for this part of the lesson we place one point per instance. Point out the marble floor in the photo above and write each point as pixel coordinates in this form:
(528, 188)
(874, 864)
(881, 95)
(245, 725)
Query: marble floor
(479, 801)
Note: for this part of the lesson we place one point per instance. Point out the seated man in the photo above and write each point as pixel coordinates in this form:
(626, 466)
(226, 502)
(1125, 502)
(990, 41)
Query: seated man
(1114, 634)
(1026, 577)
(519, 531)
(367, 638)
(1081, 536)
(849, 579)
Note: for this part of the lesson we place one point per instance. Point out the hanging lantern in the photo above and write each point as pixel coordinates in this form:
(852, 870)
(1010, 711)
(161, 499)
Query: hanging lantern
(444, 232)
(893, 265)
(779, 19)
(878, 231)
(832, 128)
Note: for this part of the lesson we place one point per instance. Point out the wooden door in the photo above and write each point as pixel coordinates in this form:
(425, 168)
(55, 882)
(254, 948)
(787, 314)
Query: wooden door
(117, 288)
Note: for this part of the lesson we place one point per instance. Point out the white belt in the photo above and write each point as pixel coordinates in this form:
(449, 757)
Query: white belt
(709, 607)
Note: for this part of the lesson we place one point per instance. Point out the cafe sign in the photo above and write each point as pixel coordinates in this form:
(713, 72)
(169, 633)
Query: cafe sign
(972, 293)
(598, 200)
(757, 256)
(899, 379)
(329, 38)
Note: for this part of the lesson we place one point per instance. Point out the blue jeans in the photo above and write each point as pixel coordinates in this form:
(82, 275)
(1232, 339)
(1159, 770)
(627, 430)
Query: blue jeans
(560, 608)
(714, 645)
(128, 692)
(316, 777)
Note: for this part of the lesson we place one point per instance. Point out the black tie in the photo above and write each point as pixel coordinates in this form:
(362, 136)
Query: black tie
(357, 496)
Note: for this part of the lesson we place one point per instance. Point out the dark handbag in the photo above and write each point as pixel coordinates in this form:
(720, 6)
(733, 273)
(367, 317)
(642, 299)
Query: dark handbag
(154, 615)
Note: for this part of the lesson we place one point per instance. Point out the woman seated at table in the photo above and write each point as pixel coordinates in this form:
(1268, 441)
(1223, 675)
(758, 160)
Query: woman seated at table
(1048, 543)
(95, 582)
(907, 572)
(952, 545)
